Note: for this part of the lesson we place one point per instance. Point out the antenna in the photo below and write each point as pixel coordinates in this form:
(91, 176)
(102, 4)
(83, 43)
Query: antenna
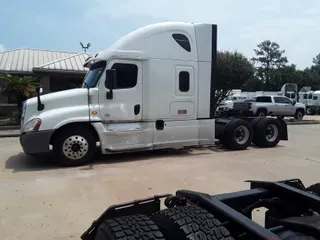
(85, 48)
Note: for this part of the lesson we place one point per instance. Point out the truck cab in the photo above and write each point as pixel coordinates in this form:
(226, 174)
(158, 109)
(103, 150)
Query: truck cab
(151, 89)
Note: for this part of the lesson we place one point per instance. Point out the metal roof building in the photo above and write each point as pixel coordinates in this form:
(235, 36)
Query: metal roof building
(73, 63)
(56, 70)
(24, 61)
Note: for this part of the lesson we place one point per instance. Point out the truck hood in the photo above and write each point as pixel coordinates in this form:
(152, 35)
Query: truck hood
(300, 105)
(63, 99)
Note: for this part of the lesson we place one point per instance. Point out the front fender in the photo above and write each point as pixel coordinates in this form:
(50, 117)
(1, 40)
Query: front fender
(56, 118)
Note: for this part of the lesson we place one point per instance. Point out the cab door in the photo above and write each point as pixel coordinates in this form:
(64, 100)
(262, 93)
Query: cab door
(125, 105)
(288, 106)
(279, 106)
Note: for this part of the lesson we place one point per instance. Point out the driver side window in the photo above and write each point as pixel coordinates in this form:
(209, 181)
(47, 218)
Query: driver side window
(127, 75)
(286, 100)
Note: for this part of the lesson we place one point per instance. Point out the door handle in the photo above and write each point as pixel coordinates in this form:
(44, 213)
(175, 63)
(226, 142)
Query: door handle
(136, 109)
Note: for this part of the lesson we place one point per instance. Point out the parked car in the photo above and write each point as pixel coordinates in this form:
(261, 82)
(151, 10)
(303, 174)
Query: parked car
(280, 106)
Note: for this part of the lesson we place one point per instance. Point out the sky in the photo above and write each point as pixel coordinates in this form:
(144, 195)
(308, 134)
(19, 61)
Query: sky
(61, 24)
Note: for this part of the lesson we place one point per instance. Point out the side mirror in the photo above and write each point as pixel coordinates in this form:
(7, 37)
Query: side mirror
(110, 82)
(294, 102)
(39, 90)
(40, 106)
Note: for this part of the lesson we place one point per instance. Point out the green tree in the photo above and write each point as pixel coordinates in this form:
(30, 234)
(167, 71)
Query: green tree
(311, 77)
(233, 70)
(268, 58)
(316, 60)
(20, 87)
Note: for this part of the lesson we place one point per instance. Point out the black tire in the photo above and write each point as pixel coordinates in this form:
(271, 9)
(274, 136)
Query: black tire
(262, 137)
(299, 114)
(309, 111)
(254, 124)
(229, 139)
(315, 189)
(86, 142)
(129, 227)
(190, 222)
(262, 112)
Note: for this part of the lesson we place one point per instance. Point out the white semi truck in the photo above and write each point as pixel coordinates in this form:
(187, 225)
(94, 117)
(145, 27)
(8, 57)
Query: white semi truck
(152, 89)
(311, 99)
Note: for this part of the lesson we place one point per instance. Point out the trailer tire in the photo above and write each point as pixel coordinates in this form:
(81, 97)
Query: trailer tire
(129, 227)
(238, 135)
(190, 222)
(81, 143)
(315, 189)
(267, 133)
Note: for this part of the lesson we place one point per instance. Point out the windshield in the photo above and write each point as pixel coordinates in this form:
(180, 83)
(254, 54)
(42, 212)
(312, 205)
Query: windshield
(92, 77)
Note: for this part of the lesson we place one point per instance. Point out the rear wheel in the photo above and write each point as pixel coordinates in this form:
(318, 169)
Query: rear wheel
(238, 135)
(267, 133)
(129, 227)
(190, 222)
(74, 147)
(262, 112)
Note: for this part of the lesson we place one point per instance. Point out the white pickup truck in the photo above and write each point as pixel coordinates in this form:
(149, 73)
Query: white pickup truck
(277, 106)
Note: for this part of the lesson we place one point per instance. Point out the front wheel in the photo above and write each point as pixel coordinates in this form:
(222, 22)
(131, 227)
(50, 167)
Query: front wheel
(299, 114)
(74, 147)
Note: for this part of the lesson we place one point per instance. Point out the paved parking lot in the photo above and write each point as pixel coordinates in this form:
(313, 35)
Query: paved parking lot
(40, 201)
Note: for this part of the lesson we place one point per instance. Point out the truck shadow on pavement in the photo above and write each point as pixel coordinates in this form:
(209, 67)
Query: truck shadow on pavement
(22, 162)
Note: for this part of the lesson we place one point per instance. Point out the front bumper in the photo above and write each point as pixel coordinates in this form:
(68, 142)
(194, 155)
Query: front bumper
(36, 142)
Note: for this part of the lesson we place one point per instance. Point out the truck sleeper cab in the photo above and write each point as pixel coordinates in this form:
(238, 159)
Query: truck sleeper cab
(152, 89)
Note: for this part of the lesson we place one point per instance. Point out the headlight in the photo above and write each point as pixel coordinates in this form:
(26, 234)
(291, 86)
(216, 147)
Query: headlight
(32, 125)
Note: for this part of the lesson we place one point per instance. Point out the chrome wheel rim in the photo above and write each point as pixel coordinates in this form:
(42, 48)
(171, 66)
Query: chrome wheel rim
(241, 135)
(75, 147)
(299, 115)
(272, 132)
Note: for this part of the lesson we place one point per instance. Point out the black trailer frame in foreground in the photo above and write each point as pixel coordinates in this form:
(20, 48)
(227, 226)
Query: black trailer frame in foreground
(289, 207)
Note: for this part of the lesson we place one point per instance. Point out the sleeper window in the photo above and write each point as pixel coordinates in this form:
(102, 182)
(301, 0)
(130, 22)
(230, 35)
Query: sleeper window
(184, 81)
(183, 41)
(127, 75)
